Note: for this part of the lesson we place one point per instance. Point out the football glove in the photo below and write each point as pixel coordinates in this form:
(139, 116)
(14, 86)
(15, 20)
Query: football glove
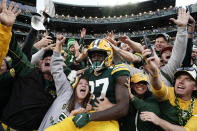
(81, 119)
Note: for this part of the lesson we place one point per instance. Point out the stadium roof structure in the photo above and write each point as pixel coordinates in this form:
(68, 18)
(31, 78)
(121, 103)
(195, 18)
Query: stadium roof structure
(101, 11)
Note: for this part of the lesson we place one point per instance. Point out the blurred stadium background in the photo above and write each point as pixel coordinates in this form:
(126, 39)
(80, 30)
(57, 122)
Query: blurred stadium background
(132, 19)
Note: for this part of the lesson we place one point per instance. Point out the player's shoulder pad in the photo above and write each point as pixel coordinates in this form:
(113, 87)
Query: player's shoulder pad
(120, 67)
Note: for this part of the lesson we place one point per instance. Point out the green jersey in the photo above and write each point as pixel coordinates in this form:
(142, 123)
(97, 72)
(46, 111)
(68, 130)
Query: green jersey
(105, 82)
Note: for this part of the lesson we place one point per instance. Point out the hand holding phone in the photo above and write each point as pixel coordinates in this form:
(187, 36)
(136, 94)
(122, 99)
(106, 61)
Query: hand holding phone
(148, 45)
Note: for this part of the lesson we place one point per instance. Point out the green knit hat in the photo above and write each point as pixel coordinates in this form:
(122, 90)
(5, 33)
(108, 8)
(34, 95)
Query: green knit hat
(71, 42)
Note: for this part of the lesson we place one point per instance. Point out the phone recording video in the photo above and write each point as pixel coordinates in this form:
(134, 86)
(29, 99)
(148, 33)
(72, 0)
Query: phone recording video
(148, 45)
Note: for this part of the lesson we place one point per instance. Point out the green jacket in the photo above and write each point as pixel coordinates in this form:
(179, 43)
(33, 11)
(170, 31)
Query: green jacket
(149, 103)
(30, 93)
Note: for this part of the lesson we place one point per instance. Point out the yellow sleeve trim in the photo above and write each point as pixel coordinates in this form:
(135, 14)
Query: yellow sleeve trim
(119, 65)
(119, 69)
(5, 37)
(161, 94)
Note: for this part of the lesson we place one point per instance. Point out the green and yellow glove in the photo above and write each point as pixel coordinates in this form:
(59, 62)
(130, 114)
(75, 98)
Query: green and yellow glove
(81, 119)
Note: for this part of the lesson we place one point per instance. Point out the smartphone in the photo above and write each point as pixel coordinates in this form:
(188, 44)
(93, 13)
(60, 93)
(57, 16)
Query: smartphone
(148, 45)
(53, 38)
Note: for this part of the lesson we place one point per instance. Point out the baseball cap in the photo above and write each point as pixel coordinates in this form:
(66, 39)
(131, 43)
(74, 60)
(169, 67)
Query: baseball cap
(164, 35)
(189, 70)
(167, 48)
(139, 77)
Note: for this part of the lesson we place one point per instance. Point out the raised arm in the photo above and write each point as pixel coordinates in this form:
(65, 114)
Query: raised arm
(152, 69)
(28, 44)
(180, 44)
(61, 82)
(128, 56)
(188, 55)
(7, 19)
(83, 33)
(137, 47)
(38, 55)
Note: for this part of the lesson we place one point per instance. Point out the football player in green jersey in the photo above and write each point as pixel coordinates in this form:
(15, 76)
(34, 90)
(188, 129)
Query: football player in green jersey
(103, 79)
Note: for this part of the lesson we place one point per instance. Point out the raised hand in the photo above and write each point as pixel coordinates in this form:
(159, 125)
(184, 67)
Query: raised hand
(124, 39)
(59, 41)
(111, 35)
(182, 18)
(112, 41)
(49, 47)
(152, 63)
(83, 32)
(44, 42)
(8, 15)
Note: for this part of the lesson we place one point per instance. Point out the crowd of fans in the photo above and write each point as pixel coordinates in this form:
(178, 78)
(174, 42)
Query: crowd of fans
(130, 34)
(111, 84)
(167, 29)
(119, 19)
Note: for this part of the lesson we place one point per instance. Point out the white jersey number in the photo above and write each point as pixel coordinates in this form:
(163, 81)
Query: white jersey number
(104, 81)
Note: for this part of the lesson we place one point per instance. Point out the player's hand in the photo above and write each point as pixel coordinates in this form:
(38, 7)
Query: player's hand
(81, 119)
(102, 105)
